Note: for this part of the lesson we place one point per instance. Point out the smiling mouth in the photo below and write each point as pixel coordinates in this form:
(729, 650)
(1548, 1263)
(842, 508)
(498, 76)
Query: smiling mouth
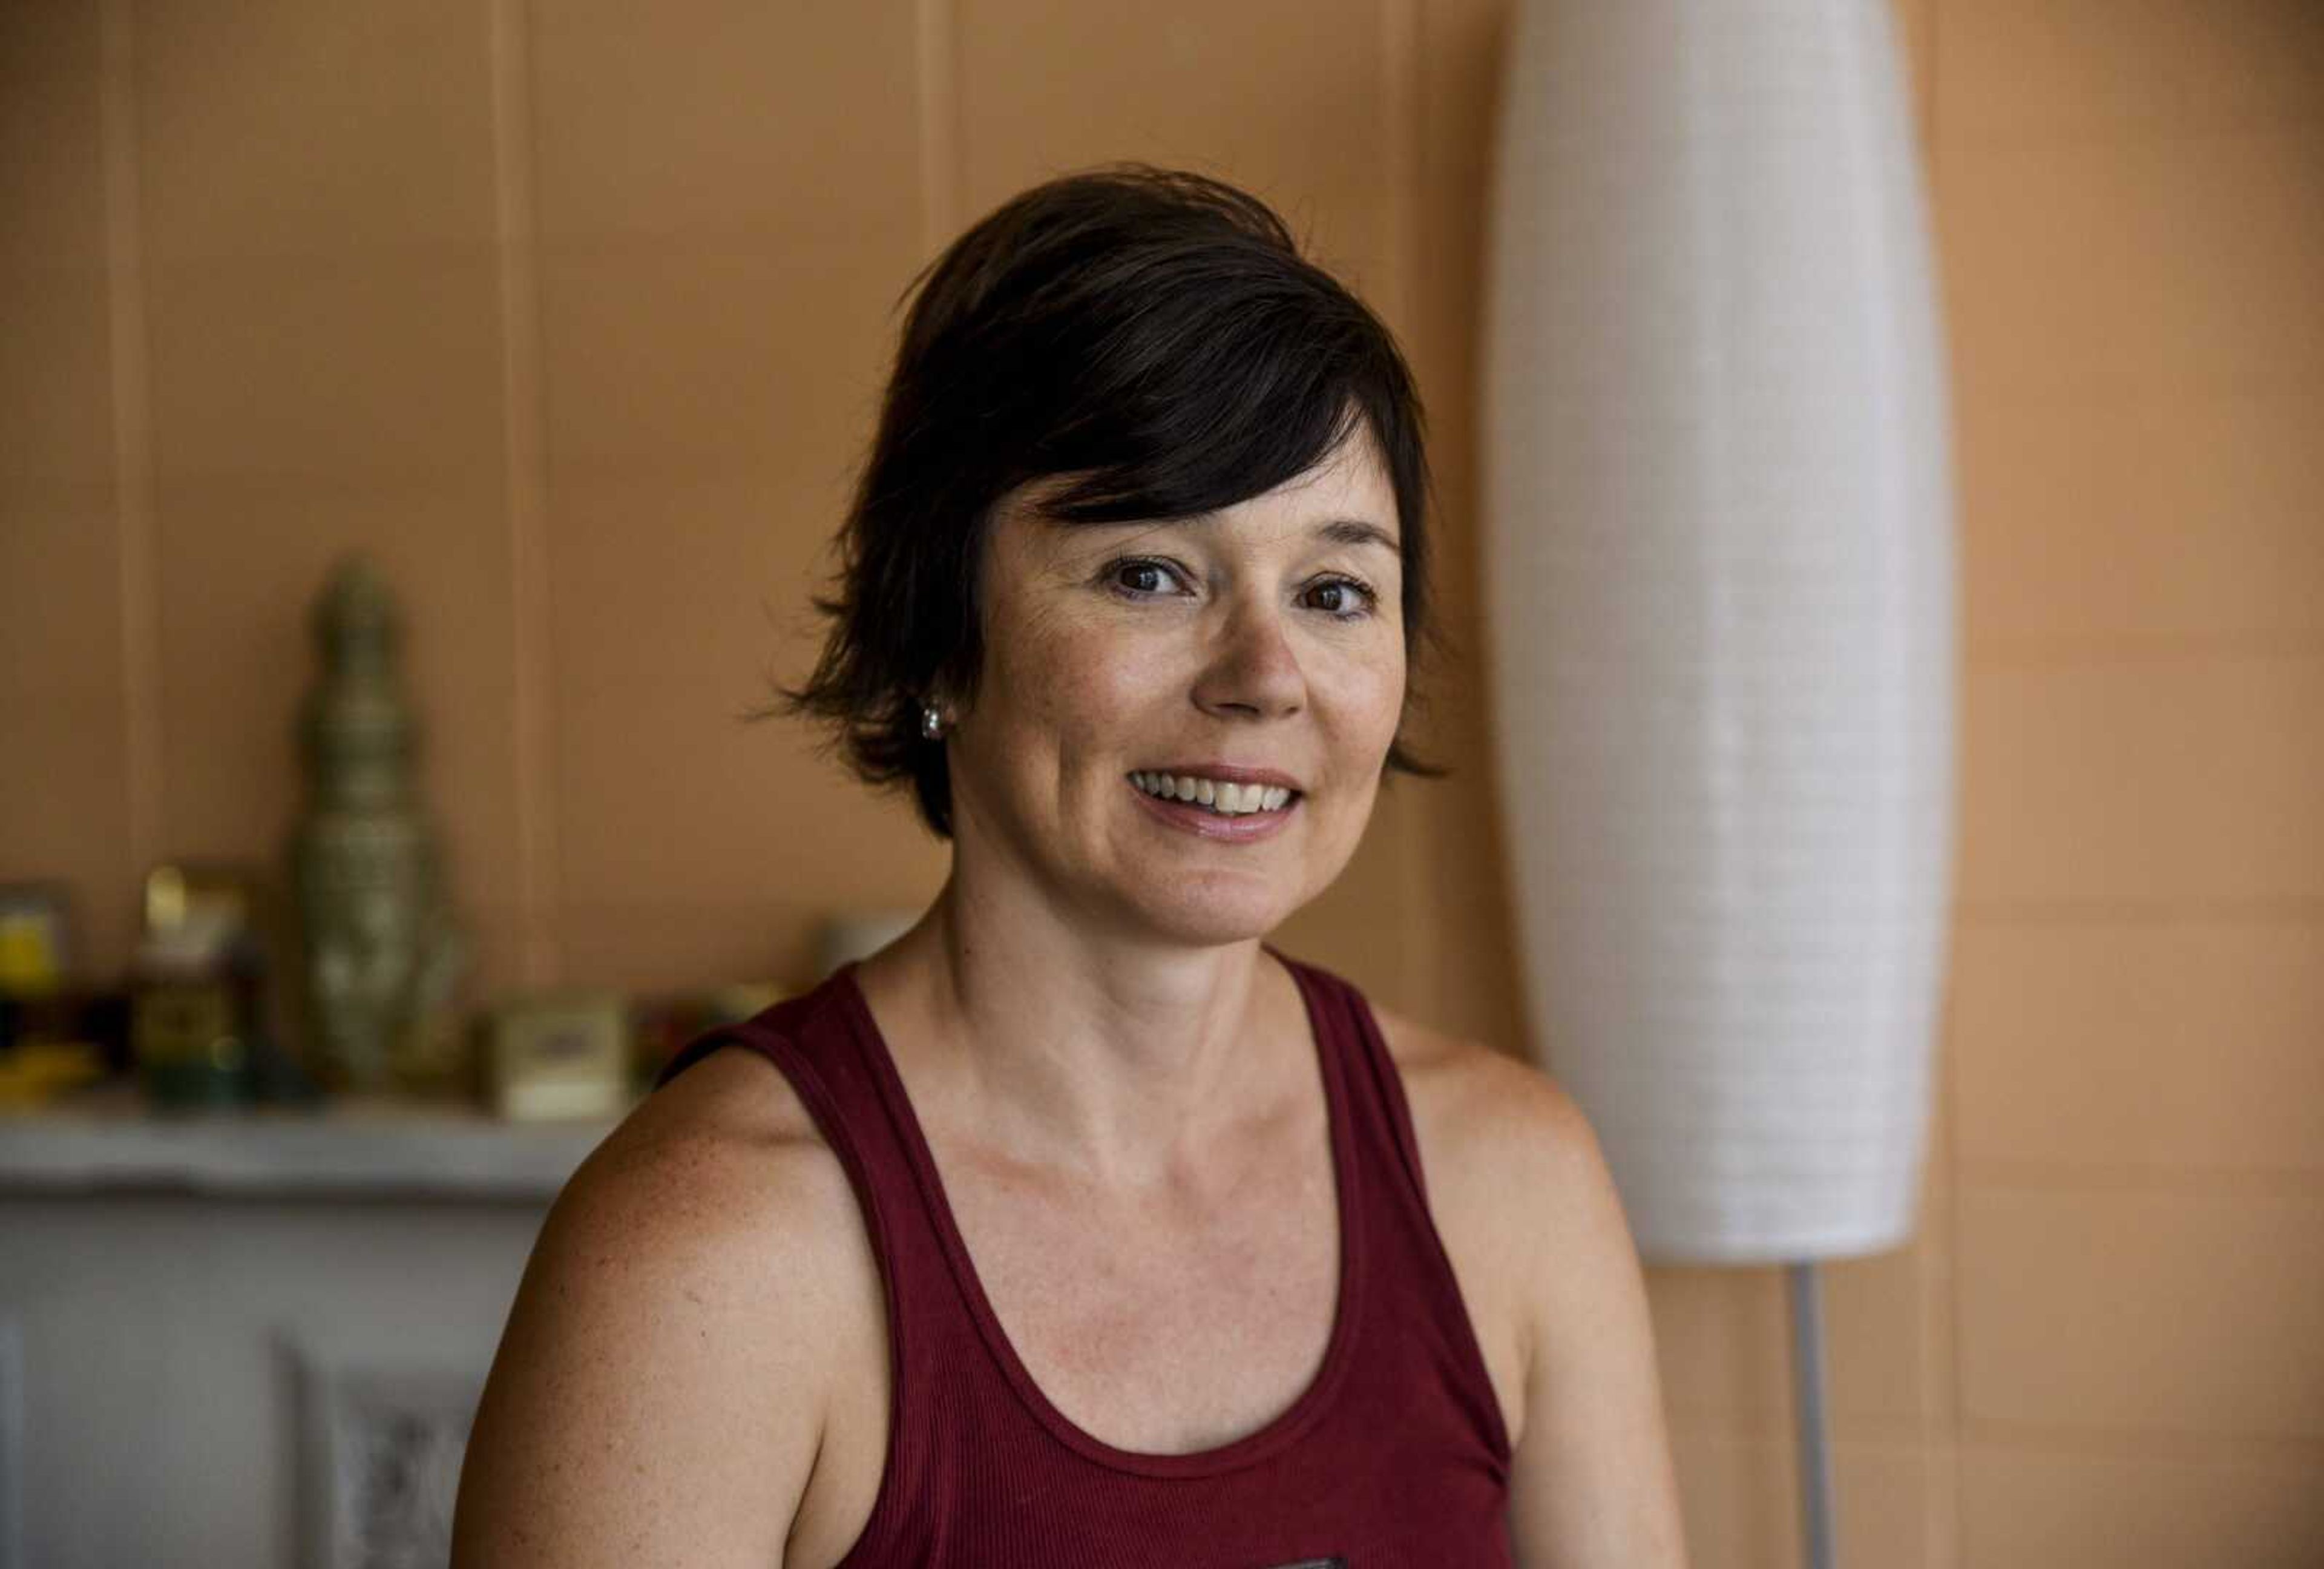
(1217, 797)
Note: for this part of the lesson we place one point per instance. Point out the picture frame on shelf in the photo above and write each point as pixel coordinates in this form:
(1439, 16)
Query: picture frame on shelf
(36, 938)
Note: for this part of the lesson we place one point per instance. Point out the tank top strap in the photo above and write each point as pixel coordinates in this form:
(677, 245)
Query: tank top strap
(812, 1040)
(1375, 1089)
(1417, 1274)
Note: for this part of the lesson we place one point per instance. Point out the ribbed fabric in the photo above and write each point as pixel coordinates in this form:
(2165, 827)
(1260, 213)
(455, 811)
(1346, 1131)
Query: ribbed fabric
(1395, 1455)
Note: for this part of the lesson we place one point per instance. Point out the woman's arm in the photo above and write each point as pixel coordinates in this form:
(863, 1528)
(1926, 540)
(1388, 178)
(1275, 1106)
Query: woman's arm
(1592, 1486)
(657, 1396)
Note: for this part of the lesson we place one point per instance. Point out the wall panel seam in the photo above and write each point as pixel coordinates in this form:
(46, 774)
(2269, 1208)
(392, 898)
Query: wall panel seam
(2151, 1178)
(2002, 912)
(135, 526)
(533, 737)
(1943, 1540)
(1422, 984)
(2010, 654)
(2196, 1446)
(1940, 1432)
(937, 103)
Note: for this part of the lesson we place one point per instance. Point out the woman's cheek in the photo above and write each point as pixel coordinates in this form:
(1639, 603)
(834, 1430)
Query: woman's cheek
(1370, 693)
(1047, 659)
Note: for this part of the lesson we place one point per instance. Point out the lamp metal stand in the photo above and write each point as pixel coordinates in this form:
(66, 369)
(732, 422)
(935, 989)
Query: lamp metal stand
(1807, 1373)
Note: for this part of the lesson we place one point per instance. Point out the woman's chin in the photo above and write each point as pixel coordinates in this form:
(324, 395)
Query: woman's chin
(1215, 920)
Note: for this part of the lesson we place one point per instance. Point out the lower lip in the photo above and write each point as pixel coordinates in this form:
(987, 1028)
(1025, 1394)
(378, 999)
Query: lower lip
(1236, 830)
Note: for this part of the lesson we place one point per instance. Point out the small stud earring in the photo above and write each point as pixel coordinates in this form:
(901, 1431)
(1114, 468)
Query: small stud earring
(931, 723)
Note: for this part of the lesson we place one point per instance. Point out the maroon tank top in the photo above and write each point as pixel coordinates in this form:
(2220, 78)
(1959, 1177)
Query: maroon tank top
(1395, 1453)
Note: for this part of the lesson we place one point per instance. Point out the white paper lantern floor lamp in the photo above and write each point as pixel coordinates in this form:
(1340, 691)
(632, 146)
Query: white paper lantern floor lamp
(1719, 585)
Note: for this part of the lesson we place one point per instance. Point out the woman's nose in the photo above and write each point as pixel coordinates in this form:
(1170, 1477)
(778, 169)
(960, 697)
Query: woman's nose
(1254, 670)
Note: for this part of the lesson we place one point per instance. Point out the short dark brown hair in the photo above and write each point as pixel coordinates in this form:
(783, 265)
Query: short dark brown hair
(1154, 334)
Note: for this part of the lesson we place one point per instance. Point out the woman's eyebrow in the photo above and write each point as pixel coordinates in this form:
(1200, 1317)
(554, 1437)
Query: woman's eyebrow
(1334, 531)
(1356, 531)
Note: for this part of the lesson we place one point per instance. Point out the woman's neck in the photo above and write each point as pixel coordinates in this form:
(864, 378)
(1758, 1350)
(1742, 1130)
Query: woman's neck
(1121, 1062)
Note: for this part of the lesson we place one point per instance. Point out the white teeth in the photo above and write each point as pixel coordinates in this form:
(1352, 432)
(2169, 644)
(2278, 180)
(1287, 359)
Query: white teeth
(1225, 799)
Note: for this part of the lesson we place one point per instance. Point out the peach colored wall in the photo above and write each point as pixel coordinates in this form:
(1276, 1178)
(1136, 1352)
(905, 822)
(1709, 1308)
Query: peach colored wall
(575, 314)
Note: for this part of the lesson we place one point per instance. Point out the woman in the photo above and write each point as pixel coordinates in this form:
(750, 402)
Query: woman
(1080, 1225)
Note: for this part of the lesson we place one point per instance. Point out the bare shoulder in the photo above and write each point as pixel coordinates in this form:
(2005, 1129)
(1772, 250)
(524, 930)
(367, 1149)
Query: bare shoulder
(1519, 1190)
(660, 1387)
(1493, 1128)
(1516, 1186)
(1486, 1096)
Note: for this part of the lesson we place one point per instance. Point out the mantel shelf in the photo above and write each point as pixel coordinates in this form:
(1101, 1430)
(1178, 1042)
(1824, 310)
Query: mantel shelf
(110, 1141)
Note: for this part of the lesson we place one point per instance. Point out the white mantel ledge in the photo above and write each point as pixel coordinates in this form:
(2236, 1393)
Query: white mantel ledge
(110, 1142)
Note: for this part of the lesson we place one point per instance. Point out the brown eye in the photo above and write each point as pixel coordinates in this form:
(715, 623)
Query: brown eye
(1343, 598)
(1140, 578)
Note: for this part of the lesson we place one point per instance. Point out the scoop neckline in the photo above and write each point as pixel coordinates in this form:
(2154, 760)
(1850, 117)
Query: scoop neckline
(1288, 1424)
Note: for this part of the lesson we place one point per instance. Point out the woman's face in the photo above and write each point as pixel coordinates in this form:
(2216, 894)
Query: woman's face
(1264, 638)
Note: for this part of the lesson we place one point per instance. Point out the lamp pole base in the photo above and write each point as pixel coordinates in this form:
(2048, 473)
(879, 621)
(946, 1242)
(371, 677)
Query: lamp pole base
(1807, 1376)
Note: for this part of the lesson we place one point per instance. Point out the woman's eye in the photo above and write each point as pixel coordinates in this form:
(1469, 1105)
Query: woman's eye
(1139, 577)
(1341, 598)
(1345, 599)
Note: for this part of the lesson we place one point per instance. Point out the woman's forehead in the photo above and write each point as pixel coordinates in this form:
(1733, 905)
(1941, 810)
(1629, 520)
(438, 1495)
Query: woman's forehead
(1344, 500)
